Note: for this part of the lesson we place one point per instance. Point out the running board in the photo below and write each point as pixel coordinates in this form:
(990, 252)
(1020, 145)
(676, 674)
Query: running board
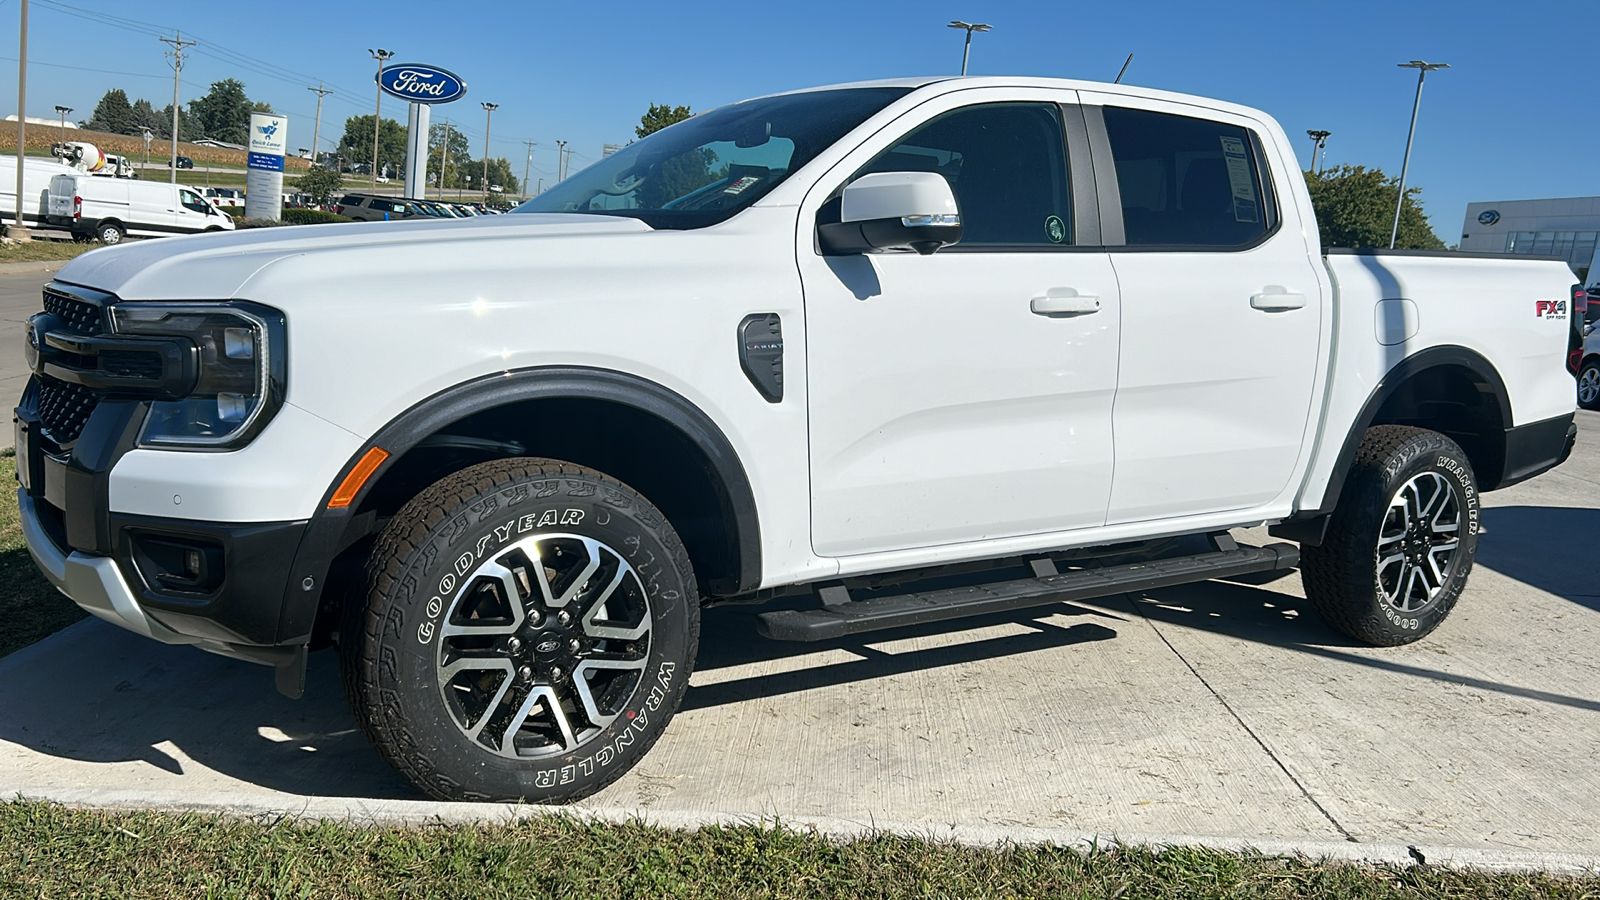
(840, 616)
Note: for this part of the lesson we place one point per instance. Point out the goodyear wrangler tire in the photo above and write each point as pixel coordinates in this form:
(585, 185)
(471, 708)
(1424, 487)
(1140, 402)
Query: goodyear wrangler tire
(1401, 541)
(528, 633)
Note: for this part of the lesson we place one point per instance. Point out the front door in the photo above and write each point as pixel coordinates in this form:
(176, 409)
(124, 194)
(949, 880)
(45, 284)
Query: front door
(1221, 315)
(964, 395)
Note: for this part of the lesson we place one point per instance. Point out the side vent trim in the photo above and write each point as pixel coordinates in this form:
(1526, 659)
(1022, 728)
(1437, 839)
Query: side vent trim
(761, 353)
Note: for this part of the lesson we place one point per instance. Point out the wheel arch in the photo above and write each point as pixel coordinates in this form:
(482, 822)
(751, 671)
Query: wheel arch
(717, 516)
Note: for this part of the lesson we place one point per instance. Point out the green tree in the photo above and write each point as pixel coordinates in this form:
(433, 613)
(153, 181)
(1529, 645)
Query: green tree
(112, 114)
(356, 145)
(262, 106)
(186, 125)
(320, 184)
(500, 173)
(659, 117)
(223, 114)
(1355, 208)
(143, 116)
(457, 163)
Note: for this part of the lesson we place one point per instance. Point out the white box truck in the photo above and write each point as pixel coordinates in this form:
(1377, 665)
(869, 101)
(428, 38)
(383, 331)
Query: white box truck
(109, 209)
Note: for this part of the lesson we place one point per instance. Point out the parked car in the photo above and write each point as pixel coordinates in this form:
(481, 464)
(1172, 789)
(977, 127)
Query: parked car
(108, 209)
(838, 344)
(375, 208)
(1589, 373)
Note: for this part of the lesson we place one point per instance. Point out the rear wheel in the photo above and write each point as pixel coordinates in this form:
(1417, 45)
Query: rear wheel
(109, 233)
(529, 632)
(1589, 384)
(1401, 541)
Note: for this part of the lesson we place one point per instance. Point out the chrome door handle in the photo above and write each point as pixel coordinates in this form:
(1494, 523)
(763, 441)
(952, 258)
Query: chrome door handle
(1279, 300)
(1052, 303)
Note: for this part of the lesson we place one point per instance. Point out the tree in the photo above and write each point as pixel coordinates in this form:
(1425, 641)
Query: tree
(112, 114)
(143, 116)
(356, 145)
(262, 106)
(500, 173)
(660, 117)
(223, 114)
(320, 184)
(450, 167)
(186, 126)
(1355, 208)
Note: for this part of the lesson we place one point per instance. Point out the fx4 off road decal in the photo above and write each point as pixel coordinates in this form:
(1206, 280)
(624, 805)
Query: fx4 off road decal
(1550, 309)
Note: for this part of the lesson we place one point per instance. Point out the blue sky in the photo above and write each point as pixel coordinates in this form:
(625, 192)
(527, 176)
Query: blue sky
(1515, 117)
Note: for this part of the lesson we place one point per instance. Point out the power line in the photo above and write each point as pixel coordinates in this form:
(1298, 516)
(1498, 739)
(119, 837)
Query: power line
(35, 62)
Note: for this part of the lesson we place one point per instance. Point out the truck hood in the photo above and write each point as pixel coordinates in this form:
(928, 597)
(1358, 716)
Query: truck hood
(215, 266)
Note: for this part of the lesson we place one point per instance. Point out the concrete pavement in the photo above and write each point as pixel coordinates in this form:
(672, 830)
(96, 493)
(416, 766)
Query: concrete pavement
(1221, 713)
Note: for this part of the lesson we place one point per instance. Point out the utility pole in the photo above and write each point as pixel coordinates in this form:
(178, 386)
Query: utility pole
(967, 50)
(1319, 139)
(382, 56)
(178, 43)
(525, 164)
(19, 230)
(488, 115)
(444, 156)
(1423, 68)
(561, 161)
(316, 133)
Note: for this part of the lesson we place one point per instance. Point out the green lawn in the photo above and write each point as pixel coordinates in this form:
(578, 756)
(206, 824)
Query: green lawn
(43, 250)
(30, 608)
(50, 851)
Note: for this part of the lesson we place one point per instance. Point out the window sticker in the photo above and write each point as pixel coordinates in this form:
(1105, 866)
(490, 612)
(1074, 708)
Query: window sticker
(739, 187)
(1055, 229)
(1246, 208)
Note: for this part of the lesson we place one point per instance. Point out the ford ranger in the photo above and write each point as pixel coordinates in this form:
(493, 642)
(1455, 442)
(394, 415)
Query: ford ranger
(1055, 338)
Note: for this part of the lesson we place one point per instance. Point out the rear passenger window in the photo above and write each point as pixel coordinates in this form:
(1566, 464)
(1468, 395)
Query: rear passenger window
(1185, 181)
(1006, 164)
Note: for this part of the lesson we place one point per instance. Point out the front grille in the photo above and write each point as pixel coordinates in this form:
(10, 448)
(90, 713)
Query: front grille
(64, 409)
(79, 317)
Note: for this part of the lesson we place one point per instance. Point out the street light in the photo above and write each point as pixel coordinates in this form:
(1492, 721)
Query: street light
(488, 115)
(1423, 68)
(63, 110)
(382, 56)
(561, 161)
(1319, 140)
(966, 50)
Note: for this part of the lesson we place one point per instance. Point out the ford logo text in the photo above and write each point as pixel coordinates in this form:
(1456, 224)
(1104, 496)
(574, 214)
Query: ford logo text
(421, 84)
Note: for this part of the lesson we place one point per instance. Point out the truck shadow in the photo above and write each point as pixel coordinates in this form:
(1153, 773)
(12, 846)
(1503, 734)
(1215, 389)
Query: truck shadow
(1551, 548)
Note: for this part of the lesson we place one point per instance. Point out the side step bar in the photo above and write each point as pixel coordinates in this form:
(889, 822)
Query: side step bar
(840, 616)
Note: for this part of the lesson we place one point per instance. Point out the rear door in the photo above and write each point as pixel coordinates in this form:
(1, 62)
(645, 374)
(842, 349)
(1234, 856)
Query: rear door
(1221, 310)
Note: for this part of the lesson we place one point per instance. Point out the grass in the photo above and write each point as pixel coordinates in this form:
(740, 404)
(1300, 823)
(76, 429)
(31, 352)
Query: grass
(29, 607)
(43, 251)
(51, 851)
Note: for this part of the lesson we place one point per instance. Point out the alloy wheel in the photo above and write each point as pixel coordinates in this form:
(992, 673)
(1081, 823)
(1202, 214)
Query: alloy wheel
(1418, 541)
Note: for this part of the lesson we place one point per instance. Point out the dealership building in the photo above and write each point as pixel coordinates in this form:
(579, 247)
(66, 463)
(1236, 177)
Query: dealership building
(1568, 227)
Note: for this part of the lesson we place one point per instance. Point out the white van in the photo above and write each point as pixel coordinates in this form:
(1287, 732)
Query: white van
(111, 208)
(36, 176)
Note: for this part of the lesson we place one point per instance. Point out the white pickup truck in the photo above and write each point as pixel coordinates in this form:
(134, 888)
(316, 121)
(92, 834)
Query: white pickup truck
(843, 342)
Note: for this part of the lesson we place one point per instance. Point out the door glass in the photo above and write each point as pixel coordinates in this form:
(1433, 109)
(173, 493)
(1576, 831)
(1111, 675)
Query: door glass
(1186, 181)
(192, 201)
(1006, 163)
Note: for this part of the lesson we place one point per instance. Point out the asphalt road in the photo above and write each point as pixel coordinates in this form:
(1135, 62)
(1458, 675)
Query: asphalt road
(1221, 711)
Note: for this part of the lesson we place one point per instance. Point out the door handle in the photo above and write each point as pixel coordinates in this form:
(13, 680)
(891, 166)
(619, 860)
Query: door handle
(1280, 299)
(1064, 302)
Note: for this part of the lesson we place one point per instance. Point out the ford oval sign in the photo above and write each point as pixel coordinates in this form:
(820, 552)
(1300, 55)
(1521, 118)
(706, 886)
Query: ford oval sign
(1488, 217)
(421, 84)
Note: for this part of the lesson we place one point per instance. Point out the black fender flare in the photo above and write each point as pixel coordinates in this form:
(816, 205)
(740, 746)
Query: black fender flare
(1307, 525)
(324, 534)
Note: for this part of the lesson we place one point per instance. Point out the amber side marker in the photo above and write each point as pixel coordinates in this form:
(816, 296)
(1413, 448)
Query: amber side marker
(351, 485)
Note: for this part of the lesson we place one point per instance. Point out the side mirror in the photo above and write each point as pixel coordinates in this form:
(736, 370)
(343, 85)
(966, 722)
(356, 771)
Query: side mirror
(894, 211)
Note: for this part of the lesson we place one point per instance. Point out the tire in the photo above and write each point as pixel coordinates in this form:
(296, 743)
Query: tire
(109, 233)
(469, 711)
(1589, 384)
(1371, 579)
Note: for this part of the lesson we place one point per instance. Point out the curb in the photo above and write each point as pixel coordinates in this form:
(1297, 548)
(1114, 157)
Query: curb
(389, 813)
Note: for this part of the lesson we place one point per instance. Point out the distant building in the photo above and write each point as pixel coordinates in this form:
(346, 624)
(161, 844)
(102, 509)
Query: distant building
(50, 123)
(208, 142)
(1568, 227)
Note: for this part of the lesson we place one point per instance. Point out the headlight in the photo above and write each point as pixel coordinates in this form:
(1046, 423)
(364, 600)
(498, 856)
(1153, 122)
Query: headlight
(239, 362)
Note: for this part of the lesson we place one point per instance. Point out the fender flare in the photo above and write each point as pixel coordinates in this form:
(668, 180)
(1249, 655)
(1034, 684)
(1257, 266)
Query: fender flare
(1403, 371)
(323, 536)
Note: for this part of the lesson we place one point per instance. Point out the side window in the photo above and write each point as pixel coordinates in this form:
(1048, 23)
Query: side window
(1186, 181)
(380, 206)
(1007, 165)
(192, 200)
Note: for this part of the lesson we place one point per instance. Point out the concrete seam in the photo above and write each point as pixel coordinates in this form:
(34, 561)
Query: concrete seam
(1304, 791)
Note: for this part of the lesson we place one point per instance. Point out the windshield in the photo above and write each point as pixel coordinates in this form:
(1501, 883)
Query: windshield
(706, 168)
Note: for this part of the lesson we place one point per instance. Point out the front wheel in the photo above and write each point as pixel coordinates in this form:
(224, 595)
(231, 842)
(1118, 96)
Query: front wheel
(528, 633)
(1400, 542)
(1589, 384)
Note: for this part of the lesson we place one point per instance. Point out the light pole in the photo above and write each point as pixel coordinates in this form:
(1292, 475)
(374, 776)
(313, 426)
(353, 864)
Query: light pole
(488, 116)
(382, 56)
(1319, 139)
(19, 230)
(561, 161)
(967, 49)
(64, 111)
(444, 156)
(1423, 68)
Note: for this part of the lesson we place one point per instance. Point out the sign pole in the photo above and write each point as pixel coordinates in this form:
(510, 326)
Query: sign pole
(417, 151)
